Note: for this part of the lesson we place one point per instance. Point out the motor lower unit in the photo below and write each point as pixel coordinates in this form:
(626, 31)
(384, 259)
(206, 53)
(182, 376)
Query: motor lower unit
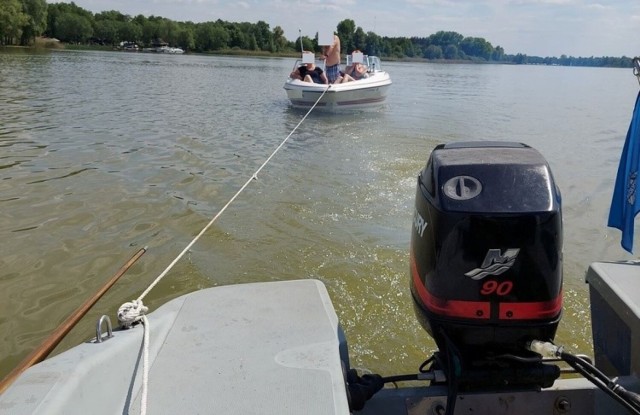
(486, 261)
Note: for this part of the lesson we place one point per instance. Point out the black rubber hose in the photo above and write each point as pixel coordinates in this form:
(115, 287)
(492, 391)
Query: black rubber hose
(362, 388)
(400, 378)
(453, 371)
(603, 382)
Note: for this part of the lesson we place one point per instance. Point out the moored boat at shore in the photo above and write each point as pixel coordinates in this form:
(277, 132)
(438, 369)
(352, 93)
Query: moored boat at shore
(159, 46)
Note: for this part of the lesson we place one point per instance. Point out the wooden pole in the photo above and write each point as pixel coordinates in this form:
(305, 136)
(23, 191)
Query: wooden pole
(56, 337)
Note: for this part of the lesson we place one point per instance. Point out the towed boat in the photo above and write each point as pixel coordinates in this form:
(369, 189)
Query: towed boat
(486, 282)
(370, 91)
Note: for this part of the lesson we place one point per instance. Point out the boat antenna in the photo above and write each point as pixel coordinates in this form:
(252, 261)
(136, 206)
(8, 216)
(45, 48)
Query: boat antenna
(636, 67)
(300, 36)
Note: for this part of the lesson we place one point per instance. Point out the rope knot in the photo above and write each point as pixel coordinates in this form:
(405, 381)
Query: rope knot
(131, 312)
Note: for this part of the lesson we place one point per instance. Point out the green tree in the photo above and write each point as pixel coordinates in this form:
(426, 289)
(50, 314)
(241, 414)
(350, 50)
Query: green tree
(476, 46)
(237, 38)
(140, 20)
(36, 11)
(520, 59)
(262, 35)
(220, 38)
(210, 36)
(359, 40)
(407, 47)
(150, 31)
(12, 21)
(204, 36)
(55, 10)
(186, 38)
(396, 51)
(157, 28)
(107, 31)
(451, 52)
(307, 44)
(498, 54)
(130, 31)
(252, 43)
(346, 32)
(433, 52)
(74, 28)
(112, 15)
(279, 40)
(444, 39)
(373, 44)
(168, 31)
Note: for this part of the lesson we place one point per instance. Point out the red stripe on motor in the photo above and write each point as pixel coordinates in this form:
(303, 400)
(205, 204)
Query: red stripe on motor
(538, 310)
(531, 311)
(452, 308)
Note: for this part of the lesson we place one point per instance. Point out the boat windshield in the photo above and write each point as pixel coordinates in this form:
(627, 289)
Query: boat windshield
(320, 63)
(372, 62)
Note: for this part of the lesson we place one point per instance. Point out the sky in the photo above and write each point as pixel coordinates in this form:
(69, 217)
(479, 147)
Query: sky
(533, 27)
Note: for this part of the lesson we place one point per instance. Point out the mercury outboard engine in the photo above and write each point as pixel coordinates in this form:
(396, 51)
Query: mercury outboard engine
(486, 262)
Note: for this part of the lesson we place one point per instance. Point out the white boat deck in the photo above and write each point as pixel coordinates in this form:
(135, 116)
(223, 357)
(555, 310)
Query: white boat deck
(251, 348)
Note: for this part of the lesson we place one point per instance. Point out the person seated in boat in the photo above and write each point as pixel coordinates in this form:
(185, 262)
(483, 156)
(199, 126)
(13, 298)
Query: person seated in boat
(354, 72)
(309, 72)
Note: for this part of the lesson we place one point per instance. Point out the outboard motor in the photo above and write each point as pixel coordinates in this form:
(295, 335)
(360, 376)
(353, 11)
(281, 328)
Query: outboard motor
(486, 262)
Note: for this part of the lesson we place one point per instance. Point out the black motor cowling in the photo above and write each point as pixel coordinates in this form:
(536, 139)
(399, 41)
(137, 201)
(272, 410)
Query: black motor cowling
(486, 249)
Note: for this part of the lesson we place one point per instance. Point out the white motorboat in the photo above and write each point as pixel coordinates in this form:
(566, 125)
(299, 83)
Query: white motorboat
(278, 347)
(169, 49)
(359, 94)
(163, 47)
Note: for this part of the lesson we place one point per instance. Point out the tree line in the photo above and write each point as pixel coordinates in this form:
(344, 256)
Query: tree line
(22, 21)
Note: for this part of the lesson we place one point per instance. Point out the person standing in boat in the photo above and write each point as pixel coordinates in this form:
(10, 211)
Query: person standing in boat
(310, 72)
(332, 56)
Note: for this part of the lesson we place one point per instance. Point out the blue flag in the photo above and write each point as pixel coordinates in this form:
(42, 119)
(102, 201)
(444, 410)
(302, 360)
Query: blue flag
(624, 204)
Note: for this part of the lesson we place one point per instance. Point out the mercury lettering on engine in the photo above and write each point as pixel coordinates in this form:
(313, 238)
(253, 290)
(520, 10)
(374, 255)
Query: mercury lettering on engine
(419, 223)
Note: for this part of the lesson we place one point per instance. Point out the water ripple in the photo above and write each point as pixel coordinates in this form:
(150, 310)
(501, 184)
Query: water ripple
(106, 152)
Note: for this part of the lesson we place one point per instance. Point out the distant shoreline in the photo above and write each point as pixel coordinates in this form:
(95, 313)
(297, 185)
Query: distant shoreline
(47, 44)
(54, 44)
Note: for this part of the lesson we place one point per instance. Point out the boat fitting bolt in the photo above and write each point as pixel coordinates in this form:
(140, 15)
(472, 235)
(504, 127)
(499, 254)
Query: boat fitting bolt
(437, 407)
(563, 405)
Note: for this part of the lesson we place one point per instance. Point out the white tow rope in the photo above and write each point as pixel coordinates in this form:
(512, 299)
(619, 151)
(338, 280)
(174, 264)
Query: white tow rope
(134, 311)
(131, 312)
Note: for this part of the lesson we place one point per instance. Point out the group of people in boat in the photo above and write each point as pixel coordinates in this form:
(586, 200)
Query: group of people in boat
(310, 72)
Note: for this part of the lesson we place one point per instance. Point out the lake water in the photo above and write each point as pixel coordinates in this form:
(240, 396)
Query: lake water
(105, 153)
